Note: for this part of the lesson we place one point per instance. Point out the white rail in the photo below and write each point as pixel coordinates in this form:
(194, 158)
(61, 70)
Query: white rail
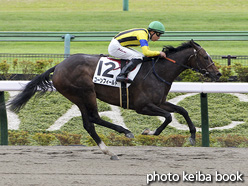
(176, 87)
(209, 87)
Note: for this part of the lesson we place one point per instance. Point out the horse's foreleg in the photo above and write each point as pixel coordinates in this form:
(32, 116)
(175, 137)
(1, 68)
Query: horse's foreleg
(153, 110)
(158, 131)
(164, 110)
(180, 110)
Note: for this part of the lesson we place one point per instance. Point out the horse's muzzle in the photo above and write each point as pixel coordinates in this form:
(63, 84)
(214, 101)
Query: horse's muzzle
(216, 77)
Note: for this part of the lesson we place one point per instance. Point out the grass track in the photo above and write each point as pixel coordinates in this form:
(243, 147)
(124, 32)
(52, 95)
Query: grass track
(38, 118)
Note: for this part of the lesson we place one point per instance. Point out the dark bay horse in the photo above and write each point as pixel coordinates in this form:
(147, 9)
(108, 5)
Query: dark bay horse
(147, 94)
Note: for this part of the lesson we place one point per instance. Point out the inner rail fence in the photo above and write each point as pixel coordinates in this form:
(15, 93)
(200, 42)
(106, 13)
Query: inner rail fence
(108, 35)
(33, 63)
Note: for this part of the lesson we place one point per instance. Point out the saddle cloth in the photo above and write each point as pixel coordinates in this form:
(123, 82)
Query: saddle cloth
(108, 68)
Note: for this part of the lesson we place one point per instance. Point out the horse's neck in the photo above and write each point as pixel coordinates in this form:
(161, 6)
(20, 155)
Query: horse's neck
(180, 58)
(183, 56)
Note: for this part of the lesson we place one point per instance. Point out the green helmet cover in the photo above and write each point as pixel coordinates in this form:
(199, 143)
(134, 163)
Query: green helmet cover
(157, 27)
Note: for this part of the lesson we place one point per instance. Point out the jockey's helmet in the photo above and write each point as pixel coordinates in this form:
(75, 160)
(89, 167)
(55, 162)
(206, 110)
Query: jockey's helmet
(156, 26)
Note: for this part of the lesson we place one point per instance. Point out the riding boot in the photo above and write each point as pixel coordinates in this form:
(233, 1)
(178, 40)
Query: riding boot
(122, 77)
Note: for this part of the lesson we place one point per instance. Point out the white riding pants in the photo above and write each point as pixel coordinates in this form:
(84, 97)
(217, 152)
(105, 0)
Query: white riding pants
(115, 49)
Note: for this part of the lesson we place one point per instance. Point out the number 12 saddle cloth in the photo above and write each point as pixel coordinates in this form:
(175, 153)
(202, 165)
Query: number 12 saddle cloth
(108, 68)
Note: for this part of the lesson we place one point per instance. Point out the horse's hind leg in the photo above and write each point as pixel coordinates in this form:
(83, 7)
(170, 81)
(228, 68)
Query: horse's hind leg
(85, 99)
(91, 109)
(96, 119)
(90, 128)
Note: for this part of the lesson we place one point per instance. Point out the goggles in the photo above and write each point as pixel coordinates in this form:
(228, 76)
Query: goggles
(158, 34)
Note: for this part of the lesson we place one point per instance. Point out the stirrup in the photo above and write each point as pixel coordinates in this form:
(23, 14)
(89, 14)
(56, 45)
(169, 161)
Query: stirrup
(123, 79)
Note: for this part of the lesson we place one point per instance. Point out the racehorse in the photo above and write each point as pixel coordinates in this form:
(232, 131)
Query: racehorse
(73, 78)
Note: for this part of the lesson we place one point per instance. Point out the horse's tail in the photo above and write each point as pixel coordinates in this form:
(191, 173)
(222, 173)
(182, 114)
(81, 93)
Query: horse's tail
(39, 83)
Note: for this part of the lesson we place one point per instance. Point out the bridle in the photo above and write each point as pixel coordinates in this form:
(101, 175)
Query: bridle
(203, 71)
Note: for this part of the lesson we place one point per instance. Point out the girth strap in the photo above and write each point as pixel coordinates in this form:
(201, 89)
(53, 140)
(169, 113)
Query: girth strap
(124, 96)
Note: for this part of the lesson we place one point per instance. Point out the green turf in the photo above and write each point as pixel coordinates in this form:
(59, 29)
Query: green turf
(107, 15)
(82, 15)
(212, 47)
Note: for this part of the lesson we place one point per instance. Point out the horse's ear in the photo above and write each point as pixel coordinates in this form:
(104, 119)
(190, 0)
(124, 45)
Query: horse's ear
(194, 44)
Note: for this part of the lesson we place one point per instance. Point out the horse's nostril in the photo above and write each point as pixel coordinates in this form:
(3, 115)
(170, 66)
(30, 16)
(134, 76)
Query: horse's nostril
(219, 74)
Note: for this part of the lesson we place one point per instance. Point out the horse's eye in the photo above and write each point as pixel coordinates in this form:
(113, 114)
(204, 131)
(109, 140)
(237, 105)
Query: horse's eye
(205, 57)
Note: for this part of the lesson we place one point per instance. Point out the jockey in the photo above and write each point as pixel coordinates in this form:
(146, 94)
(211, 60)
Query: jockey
(119, 46)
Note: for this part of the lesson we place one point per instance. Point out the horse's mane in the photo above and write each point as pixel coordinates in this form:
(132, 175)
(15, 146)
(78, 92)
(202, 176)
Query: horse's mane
(183, 46)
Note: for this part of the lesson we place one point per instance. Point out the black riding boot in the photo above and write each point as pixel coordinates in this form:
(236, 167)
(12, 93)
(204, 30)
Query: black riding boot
(122, 77)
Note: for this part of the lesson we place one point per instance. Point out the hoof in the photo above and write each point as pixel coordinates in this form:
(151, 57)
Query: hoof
(129, 135)
(146, 132)
(192, 141)
(115, 157)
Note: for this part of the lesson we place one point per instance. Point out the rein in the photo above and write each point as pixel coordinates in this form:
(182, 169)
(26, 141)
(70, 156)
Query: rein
(203, 71)
(155, 73)
(160, 78)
